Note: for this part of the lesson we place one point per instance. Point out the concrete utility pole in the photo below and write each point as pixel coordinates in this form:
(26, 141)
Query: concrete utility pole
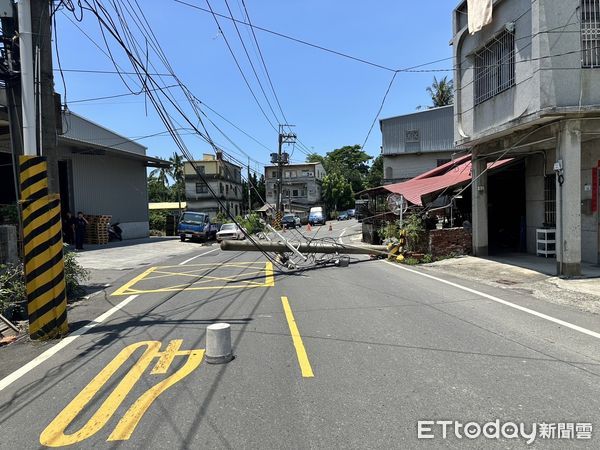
(27, 88)
(42, 246)
(249, 191)
(284, 138)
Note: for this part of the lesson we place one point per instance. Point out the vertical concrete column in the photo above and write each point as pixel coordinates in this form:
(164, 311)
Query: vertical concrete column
(479, 198)
(568, 200)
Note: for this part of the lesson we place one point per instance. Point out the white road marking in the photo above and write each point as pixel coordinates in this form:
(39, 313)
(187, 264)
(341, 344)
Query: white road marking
(341, 234)
(197, 256)
(503, 302)
(9, 379)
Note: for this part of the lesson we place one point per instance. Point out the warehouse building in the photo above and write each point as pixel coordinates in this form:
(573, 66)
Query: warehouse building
(95, 170)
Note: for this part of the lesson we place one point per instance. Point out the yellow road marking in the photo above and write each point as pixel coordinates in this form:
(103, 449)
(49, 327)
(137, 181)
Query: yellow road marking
(123, 289)
(135, 413)
(54, 435)
(234, 281)
(305, 367)
(269, 278)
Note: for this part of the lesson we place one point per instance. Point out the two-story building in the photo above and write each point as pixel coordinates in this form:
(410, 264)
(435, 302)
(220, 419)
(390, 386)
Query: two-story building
(528, 87)
(415, 143)
(223, 177)
(302, 185)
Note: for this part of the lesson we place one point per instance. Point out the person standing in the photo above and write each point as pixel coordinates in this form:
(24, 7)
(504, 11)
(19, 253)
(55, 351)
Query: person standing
(80, 223)
(69, 228)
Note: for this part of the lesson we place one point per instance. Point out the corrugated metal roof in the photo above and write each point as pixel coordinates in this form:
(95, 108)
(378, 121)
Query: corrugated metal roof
(430, 130)
(415, 189)
(78, 128)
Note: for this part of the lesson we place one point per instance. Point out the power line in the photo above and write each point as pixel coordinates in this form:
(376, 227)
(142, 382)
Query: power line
(300, 41)
(379, 110)
(240, 68)
(263, 62)
(251, 63)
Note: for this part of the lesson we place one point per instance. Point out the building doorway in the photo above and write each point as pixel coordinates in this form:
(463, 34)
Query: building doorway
(506, 209)
(64, 186)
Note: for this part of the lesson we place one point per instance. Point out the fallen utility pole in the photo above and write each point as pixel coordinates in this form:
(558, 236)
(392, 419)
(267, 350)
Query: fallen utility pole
(304, 247)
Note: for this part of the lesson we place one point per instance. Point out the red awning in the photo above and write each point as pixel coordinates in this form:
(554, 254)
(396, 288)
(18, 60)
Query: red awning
(430, 183)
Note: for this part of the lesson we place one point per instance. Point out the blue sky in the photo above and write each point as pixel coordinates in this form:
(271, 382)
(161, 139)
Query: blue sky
(331, 100)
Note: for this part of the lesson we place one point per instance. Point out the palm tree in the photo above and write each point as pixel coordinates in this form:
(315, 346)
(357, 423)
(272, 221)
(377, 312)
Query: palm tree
(441, 92)
(162, 175)
(175, 171)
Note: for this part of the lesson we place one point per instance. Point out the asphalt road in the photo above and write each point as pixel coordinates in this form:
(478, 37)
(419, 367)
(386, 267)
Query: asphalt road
(386, 347)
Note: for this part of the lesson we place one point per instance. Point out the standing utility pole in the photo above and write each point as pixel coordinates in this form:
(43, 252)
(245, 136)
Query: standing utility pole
(27, 90)
(282, 158)
(249, 191)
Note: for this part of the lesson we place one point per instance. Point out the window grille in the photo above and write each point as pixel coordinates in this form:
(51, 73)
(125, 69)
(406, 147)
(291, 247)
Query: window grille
(495, 67)
(590, 33)
(550, 200)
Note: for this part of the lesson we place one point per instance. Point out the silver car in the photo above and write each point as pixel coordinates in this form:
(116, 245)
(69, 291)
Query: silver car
(230, 231)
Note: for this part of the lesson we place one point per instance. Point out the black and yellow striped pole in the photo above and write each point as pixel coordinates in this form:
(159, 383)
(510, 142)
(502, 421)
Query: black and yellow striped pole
(43, 251)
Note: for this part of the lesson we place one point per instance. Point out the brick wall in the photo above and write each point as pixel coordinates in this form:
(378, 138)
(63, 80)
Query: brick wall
(450, 241)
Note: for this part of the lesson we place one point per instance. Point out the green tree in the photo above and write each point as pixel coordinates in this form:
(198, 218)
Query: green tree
(175, 171)
(157, 191)
(316, 158)
(161, 174)
(349, 161)
(441, 92)
(375, 176)
(337, 192)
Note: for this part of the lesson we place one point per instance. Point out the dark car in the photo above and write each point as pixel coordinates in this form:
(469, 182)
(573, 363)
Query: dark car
(289, 221)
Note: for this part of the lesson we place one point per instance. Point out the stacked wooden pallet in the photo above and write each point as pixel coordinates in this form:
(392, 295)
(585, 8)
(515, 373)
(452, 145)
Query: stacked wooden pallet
(96, 231)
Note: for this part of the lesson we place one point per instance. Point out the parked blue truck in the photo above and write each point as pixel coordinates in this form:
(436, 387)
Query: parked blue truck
(196, 225)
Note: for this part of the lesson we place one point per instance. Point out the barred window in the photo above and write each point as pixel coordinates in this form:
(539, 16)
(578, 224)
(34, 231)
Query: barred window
(495, 67)
(550, 200)
(590, 33)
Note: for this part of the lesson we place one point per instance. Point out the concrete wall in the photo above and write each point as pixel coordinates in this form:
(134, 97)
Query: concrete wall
(548, 71)
(406, 166)
(471, 120)
(534, 193)
(562, 82)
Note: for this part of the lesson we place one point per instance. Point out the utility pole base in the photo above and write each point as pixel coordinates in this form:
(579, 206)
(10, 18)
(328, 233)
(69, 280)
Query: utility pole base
(43, 251)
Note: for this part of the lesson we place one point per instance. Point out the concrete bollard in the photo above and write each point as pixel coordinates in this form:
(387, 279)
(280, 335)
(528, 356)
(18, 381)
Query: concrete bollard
(218, 343)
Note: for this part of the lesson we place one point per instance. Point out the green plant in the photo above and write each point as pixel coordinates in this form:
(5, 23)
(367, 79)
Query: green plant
(411, 261)
(415, 232)
(252, 223)
(75, 274)
(157, 220)
(13, 296)
(390, 231)
(221, 217)
(428, 258)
